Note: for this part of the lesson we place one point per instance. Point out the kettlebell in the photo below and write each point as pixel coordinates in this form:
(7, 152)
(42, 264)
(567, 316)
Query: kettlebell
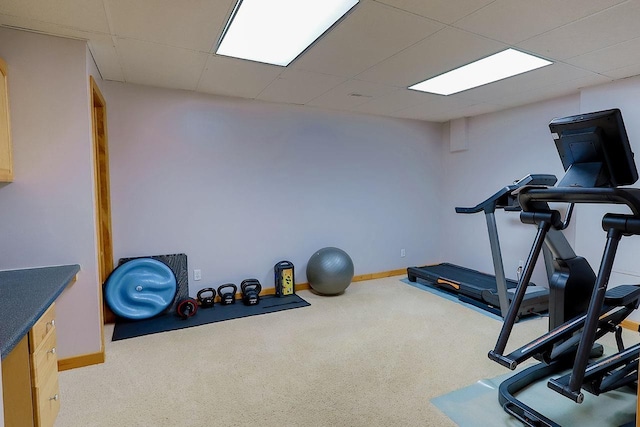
(251, 291)
(209, 300)
(227, 293)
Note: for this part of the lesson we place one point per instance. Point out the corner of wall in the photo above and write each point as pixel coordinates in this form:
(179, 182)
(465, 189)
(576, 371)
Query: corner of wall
(458, 135)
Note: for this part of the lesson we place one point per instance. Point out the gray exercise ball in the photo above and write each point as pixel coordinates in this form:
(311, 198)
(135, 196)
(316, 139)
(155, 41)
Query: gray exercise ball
(330, 271)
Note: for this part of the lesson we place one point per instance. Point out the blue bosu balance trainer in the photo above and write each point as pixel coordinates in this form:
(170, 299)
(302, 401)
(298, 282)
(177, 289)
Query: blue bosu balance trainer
(140, 289)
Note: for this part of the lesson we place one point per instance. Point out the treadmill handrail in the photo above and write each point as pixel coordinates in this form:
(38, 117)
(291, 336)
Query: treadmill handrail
(497, 200)
(488, 205)
(528, 196)
(506, 199)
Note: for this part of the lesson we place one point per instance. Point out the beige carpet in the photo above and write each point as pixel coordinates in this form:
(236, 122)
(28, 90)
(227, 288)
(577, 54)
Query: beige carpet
(373, 356)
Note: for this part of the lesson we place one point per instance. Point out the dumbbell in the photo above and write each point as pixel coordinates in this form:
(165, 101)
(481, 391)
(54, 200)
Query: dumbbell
(208, 300)
(251, 291)
(227, 293)
(187, 307)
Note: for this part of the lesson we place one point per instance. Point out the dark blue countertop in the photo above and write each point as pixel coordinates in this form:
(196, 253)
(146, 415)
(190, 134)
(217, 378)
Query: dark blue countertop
(24, 297)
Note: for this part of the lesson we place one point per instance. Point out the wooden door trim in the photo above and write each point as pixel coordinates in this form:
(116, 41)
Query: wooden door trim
(100, 148)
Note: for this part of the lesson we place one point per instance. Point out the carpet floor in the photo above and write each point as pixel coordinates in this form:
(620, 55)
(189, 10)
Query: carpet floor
(374, 356)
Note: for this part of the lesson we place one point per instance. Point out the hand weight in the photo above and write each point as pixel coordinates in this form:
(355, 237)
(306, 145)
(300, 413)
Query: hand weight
(227, 293)
(251, 291)
(187, 308)
(206, 301)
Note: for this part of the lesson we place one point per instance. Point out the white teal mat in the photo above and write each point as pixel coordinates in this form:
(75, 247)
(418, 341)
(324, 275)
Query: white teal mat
(477, 406)
(454, 298)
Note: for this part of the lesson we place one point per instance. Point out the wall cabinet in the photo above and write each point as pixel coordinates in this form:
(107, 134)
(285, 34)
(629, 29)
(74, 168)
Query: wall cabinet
(31, 394)
(6, 163)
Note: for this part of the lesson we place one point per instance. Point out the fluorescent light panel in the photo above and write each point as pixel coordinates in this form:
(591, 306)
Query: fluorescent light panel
(496, 67)
(277, 31)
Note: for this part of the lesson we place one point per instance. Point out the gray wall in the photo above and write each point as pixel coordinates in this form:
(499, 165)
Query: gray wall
(48, 211)
(240, 185)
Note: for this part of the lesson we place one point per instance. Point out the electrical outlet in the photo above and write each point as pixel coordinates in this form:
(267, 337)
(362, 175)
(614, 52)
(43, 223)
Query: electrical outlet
(197, 274)
(519, 269)
(402, 253)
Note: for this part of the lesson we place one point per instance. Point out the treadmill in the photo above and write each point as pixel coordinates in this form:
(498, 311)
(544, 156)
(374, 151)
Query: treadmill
(489, 292)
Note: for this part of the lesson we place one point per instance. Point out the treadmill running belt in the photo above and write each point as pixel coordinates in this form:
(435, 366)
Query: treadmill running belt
(469, 282)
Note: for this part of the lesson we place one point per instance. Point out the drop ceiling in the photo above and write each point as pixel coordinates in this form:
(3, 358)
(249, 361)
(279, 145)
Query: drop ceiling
(366, 61)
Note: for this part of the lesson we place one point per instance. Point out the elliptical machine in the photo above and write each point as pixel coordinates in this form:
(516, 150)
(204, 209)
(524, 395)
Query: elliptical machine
(597, 158)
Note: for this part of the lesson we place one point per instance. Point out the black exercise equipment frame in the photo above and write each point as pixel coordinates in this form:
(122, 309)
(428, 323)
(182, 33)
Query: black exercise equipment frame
(605, 311)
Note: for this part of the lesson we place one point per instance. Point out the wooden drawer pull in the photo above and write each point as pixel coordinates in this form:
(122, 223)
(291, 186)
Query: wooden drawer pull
(55, 397)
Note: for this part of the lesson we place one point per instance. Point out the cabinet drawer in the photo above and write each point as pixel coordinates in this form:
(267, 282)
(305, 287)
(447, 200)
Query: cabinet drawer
(45, 360)
(47, 402)
(42, 327)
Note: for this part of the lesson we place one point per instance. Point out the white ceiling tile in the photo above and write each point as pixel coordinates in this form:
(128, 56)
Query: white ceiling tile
(159, 65)
(532, 80)
(444, 115)
(393, 101)
(350, 94)
(192, 24)
(106, 58)
(57, 30)
(446, 11)
(236, 77)
(609, 27)
(369, 34)
(433, 104)
(513, 21)
(624, 72)
(445, 50)
(377, 50)
(86, 15)
(299, 87)
(550, 91)
(621, 55)
(101, 45)
(473, 110)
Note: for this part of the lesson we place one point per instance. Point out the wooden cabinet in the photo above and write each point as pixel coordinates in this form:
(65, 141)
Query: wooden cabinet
(6, 163)
(44, 369)
(30, 377)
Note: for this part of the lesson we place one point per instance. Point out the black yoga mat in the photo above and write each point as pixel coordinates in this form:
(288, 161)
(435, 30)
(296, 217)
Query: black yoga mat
(169, 322)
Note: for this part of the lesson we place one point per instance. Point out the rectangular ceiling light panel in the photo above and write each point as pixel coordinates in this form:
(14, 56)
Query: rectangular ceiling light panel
(277, 31)
(496, 67)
